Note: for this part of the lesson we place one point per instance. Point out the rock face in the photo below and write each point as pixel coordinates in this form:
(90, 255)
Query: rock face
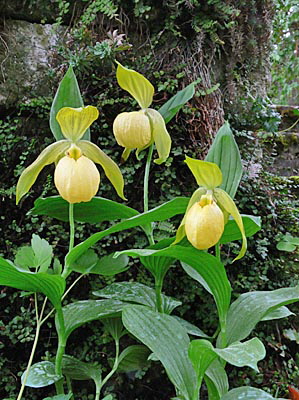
(25, 56)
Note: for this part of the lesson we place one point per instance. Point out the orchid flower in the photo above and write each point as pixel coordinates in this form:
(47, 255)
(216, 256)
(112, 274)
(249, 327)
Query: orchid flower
(76, 176)
(139, 129)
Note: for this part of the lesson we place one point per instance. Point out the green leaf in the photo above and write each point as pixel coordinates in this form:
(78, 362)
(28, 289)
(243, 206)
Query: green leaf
(201, 354)
(225, 153)
(79, 370)
(114, 327)
(252, 307)
(211, 271)
(190, 328)
(160, 213)
(291, 334)
(89, 263)
(133, 358)
(60, 397)
(168, 340)
(176, 102)
(286, 246)
(52, 286)
(25, 258)
(232, 232)
(96, 210)
(243, 354)
(248, 393)
(81, 312)
(135, 292)
(43, 252)
(281, 312)
(67, 95)
(41, 374)
(216, 380)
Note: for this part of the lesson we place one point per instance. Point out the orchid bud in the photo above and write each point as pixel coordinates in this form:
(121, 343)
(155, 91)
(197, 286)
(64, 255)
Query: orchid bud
(204, 223)
(76, 180)
(132, 130)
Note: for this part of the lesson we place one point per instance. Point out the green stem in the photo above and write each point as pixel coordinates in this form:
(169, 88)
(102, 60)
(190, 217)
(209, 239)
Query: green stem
(158, 290)
(145, 192)
(217, 251)
(72, 226)
(38, 325)
(61, 342)
(113, 370)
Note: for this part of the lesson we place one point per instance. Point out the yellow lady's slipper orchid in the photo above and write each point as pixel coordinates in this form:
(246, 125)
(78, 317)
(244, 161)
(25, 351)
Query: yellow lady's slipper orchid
(204, 224)
(139, 129)
(76, 176)
(208, 209)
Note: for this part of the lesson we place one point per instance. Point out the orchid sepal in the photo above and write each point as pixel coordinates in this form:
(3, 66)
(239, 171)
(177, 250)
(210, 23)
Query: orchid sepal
(74, 122)
(112, 171)
(136, 84)
(207, 174)
(49, 155)
(159, 135)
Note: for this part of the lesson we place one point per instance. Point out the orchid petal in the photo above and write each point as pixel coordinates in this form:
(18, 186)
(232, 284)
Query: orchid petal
(207, 174)
(94, 153)
(224, 200)
(136, 84)
(196, 196)
(47, 156)
(75, 121)
(125, 154)
(160, 135)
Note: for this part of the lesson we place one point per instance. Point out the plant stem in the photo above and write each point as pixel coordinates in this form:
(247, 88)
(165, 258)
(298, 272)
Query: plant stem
(158, 289)
(217, 251)
(114, 368)
(146, 176)
(39, 323)
(72, 226)
(61, 342)
(145, 192)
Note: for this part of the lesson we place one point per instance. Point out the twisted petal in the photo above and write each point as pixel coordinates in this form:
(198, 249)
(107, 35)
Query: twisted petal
(226, 202)
(136, 84)
(47, 156)
(75, 121)
(112, 171)
(207, 174)
(160, 135)
(181, 233)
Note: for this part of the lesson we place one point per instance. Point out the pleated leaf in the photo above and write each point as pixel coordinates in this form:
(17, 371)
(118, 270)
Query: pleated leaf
(169, 342)
(281, 312)
(96, 210)
(81, 312)
(216, 380)
(41, 374)
(79, 370)
(160, 213)
(175, 103)
(205, 265)
(201, 354)
(67, 95)
(60, 397)
(252, 307)
(232, 232)
(190, 328)
(248, 393)
(90, 263)
(225, 153)
(135, 292)
(133, 358)
(52, 286)
(243, 354)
